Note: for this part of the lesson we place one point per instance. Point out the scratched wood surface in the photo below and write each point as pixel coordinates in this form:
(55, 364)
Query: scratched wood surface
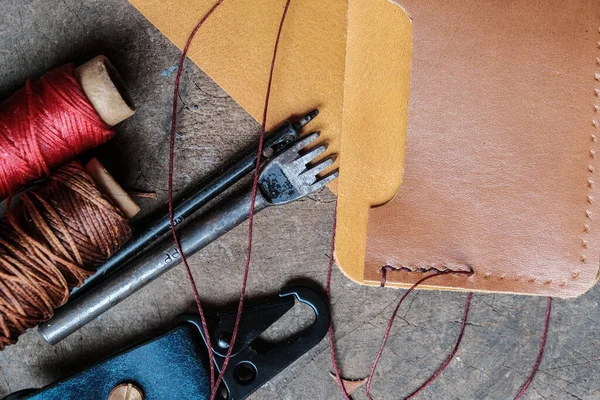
(291, 243)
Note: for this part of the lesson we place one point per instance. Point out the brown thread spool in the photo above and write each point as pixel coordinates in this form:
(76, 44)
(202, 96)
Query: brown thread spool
(51, 242)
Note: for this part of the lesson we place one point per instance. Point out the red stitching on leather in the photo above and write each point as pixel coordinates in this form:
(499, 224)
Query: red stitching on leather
(423, 270)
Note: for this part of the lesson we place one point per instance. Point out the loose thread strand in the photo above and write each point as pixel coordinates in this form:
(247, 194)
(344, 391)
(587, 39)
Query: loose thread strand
(389, 327)
(541, 352)
(215, 384)
(452, 353)
(253, 201)
(50, 242)
(330, 332)
(391, 322)
(170, 191)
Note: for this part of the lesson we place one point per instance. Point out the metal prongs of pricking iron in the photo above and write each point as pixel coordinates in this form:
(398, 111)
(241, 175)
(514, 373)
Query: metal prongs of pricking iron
(288, 176)
(291, 175)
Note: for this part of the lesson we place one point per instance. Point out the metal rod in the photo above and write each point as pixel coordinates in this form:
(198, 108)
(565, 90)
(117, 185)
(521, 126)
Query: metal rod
(195, 199)
(194, 236)
(288, 176)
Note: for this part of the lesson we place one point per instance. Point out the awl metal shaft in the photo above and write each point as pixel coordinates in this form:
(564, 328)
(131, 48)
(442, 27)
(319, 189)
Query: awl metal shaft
(103, 296)
(195, 199)
(286, 177)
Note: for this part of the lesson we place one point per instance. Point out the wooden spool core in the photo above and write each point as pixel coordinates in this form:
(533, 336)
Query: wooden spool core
(109, 186)
(104, 88)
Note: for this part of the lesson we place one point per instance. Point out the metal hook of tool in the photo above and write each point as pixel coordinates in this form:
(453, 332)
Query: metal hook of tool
(254, 362)
(175, 365)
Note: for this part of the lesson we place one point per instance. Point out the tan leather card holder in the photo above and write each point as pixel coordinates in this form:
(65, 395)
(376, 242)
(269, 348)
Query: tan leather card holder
(501, 172)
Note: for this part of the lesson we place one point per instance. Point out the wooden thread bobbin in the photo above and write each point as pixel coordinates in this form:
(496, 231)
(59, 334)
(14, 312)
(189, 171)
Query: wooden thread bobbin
(104, 88)
(109, 186)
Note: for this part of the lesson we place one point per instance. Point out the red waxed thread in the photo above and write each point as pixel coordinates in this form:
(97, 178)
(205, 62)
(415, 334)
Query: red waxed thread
(170, 193)
(43, 125)
(215, 384)
(389, 327)
(541, 353)
(336, 369)
(452, 353)
(391, 322)
(253, 201)
(330, 267)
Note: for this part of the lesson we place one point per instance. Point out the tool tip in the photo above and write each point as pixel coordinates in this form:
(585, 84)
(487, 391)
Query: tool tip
(306, 119)
(313, 113)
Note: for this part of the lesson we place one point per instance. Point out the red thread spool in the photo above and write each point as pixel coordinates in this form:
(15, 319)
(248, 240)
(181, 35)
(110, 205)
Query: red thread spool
(52, 120)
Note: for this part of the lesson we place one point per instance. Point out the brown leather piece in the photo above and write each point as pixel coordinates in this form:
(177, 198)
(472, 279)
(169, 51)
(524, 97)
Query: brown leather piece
(501, 169)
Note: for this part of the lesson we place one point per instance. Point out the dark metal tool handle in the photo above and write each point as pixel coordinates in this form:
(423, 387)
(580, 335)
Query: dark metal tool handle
(192, 201)
(196, 235)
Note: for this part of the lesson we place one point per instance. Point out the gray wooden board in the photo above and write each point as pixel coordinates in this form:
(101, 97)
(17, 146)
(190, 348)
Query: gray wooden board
(291, 242)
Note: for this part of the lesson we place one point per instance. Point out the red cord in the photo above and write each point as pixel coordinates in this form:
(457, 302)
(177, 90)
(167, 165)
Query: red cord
(215, 384)
(389, 327)
(44, 125)
(391, 322)
(448, 359)
(541, 353)
(170, 195)
(336, 369)
(252, 203)
(452, 353)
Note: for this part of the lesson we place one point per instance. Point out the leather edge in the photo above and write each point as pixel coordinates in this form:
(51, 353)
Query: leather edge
(380, 31)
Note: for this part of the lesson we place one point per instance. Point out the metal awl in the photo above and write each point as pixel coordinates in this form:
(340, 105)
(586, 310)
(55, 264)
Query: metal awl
(288, 176)
(198, 197)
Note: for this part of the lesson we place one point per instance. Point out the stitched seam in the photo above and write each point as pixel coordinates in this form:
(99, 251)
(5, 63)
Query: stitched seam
(591, 167)
(442, 268)
(429, 268)
(384, 270)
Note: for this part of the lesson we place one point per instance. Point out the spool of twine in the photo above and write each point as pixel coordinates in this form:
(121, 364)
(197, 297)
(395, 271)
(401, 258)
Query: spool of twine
(50, 242)
(52, 120)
